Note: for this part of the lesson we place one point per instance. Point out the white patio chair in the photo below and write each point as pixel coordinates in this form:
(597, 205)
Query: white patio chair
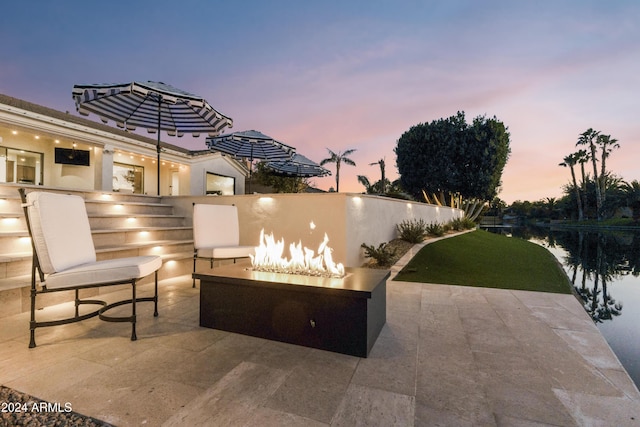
(64, 258)
(216, 234)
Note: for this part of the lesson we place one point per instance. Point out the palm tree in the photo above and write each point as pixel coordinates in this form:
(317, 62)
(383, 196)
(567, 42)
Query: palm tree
(583, 157)
(551, 204)
(607, 145)
(339, 158)
(589, 138)
(382, 179)
(390, 188)
(362, 179)
(570, 161)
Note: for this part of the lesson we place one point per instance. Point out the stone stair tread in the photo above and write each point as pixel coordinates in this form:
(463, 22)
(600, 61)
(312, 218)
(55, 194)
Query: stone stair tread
(25, 233)
(15, 282)
(15, 233)
(14, 256)
(19, 256)
(176, 256)
(127, 215)
(150, 243)
(119, 230)
(128, 203)
(11, 196)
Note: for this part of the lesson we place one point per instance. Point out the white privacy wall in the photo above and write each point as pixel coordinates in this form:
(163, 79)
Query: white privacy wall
(372, 220)
(348, 219)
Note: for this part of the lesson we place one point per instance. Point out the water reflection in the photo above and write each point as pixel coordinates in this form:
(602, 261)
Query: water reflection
(597, 259)
(604, 269)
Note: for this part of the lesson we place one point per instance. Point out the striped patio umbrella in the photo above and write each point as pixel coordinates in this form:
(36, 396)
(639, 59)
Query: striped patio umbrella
(251, 145)
(154, 106)
(299, 166)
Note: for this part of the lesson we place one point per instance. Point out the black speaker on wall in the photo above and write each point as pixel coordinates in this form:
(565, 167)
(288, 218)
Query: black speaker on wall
(71, 156)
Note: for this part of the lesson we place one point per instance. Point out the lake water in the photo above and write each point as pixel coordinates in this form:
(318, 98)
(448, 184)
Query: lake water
(604, 268)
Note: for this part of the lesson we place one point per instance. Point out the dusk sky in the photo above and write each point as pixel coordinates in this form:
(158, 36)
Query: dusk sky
(355, 74)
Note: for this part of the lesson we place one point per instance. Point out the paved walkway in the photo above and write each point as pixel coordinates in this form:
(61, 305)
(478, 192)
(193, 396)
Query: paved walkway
(448, 356)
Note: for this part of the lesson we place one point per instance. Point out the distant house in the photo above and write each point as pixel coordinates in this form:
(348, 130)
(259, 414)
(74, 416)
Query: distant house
(42, 146)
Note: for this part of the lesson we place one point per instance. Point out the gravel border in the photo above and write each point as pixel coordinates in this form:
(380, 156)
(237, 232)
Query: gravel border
(19, 409)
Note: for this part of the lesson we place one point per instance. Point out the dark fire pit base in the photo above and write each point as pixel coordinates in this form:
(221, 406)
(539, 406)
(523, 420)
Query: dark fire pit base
(341, 315)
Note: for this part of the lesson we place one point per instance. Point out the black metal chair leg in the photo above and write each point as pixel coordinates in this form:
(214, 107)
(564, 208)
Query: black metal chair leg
(32, 339)
(133, 311)
(155, 296)
(32, 322)
(77, 302)
(194, 271)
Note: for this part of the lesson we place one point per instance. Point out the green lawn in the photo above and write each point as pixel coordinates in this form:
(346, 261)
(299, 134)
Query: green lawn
(484, 259)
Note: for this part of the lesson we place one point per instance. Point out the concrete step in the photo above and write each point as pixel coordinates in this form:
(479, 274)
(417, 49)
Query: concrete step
(9, 191)
(14, 256)
(111, 221)
(101, 213)
(12, 222)
(24, 280)
(119, 236)
(95, 207)
(156, 247)
(19, 242)
(14, 242)
(120, 197)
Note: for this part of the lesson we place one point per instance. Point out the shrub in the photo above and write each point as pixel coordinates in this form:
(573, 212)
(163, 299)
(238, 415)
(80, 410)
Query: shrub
(457, 225)
(460, 224)
(412, 231)
(382, 255)
(435, 229)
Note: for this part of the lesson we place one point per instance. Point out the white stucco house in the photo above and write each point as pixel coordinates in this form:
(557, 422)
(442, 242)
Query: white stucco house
(43, 146)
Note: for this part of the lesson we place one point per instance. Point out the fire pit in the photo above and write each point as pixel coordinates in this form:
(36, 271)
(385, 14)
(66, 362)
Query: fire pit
(341, 314)
(269, 257)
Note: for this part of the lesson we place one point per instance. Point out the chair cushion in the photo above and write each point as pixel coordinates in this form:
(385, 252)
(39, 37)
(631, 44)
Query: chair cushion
(111, 270)
(226, 252)
(215, 226)
(60, 230)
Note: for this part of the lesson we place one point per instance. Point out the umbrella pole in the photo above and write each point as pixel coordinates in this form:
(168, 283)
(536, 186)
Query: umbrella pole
(158, 144)
(251, 169)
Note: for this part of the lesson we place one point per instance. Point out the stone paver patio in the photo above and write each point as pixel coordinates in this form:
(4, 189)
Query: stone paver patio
(448, 356)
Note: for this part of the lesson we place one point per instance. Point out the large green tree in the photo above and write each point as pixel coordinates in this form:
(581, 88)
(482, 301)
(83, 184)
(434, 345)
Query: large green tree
(451, 156)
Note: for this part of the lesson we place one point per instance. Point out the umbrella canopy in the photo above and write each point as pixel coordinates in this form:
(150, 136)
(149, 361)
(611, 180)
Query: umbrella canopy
(154, 106)
(251, 145)
(298, 165)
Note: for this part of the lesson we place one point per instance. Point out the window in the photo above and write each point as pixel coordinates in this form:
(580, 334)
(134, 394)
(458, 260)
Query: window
(128, 178)
(20, 166)
(220, 184)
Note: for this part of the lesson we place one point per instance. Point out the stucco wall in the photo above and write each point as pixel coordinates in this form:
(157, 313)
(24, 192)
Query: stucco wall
(69, 176)
(372, 220)
(217, 165)
(348, 219)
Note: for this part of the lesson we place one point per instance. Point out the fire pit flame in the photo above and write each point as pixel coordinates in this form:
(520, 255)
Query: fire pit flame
(269, 256)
